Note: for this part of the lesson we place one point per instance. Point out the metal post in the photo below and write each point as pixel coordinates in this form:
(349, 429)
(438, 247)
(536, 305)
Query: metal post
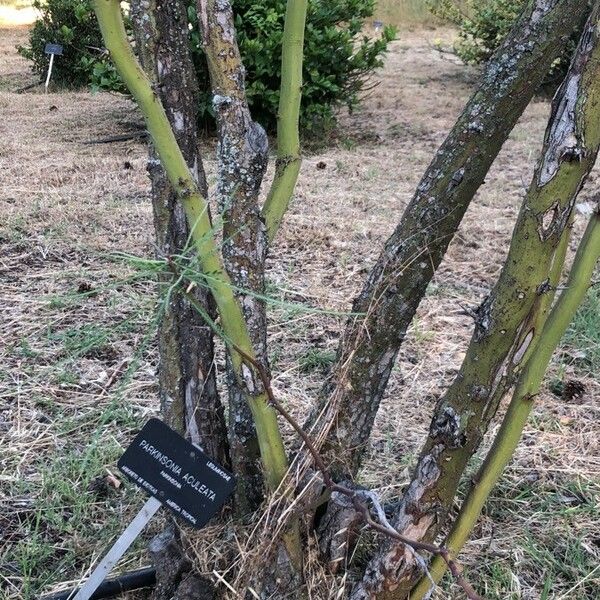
(49, 72)
(119, 548)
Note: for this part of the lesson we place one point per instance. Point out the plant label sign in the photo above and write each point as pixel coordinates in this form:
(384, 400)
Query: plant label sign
(176, 473)
(53, 49)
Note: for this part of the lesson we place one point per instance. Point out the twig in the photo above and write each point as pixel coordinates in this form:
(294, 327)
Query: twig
(118, 138)
(28, 87)
(362, 507)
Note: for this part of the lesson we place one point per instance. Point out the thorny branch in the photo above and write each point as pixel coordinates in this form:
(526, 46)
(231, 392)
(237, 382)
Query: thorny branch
(356, 496)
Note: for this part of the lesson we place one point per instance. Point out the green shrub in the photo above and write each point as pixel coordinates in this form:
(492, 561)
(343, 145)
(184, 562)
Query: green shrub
(71, 23)
(338, 60)
(483, 25)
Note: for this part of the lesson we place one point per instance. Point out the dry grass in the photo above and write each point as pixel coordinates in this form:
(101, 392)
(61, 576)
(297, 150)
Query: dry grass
(78, 359)
(403, 13)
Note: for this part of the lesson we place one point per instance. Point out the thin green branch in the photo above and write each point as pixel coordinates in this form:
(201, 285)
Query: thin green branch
(110, 19)
(528, 387)
(288, 116)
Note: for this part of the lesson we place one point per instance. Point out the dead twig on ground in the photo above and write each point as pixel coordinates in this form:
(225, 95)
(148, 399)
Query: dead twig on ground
(356, 496)
(118, 138)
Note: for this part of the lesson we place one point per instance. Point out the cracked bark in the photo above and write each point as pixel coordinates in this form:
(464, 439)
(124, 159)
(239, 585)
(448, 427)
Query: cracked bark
(242, 155)
(188, 393)
(187, 379)
(507, 325)
(397, 282)
(173, 568)
(338, 530)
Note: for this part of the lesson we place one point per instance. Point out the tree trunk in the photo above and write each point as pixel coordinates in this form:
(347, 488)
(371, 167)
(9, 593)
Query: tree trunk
(523, 398)
(242, 160)
(188, 393)
(507, 325)
(189, 398)
(242, 155)
(398, 280)
(287, 167)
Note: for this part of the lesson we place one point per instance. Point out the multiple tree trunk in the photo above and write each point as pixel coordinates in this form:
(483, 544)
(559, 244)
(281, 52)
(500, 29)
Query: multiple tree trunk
(397, 283)
(509, 323)
(187, 374)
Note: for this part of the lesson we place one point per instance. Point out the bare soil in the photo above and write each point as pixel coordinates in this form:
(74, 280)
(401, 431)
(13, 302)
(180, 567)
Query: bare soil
(77, 356)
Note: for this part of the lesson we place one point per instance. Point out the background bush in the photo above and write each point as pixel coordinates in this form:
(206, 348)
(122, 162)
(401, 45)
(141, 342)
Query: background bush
(71, 23)
(483, 25)
(338, 60)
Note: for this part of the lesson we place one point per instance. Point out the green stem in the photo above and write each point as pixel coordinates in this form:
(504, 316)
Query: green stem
(110, 19)
(507, 323)
(508, 436)
(288, 139)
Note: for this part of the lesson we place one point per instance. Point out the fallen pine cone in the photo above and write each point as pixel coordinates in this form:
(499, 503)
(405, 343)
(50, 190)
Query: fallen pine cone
(573, 390)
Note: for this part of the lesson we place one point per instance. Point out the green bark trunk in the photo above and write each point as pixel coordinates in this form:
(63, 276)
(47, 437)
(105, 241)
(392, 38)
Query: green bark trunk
(242, 159)
(187, 375)
(507, 326)
(400, 277)
(288, 163)
(188, 393)
(521, 404)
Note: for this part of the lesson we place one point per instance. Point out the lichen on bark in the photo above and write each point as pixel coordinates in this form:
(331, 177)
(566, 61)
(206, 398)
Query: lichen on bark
(242, 155)
(509, 325)
(187, 377)
(398, 280)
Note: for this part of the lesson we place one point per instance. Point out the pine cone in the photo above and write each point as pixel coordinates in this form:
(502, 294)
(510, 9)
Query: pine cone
(573, 390)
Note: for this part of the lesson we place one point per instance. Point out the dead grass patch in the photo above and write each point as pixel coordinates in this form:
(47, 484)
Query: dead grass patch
(79, 362)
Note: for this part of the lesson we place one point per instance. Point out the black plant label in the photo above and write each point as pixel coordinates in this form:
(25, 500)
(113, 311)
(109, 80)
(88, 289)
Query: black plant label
(53, 49)
(174, 471)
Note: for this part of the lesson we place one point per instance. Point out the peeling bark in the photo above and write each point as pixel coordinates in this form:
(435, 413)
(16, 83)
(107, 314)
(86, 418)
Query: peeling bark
(170, 562)
(398, 280)
(508, 323)
(188, 393)
(242, 160)
(242, 154)
(338, 530)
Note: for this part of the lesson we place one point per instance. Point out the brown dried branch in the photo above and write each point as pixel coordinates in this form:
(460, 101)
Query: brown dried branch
(382, 525)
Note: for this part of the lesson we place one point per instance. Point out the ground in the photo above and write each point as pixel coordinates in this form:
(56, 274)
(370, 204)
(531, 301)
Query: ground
(78, 374)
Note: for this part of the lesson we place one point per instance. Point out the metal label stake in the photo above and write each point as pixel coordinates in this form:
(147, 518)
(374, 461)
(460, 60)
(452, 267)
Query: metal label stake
(119, 548)
(52, 50)
(178, 476)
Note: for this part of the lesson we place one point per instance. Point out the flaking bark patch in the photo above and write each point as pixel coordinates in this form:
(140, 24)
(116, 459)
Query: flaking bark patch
(338, 531)
(563, 141)
(397, 282)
